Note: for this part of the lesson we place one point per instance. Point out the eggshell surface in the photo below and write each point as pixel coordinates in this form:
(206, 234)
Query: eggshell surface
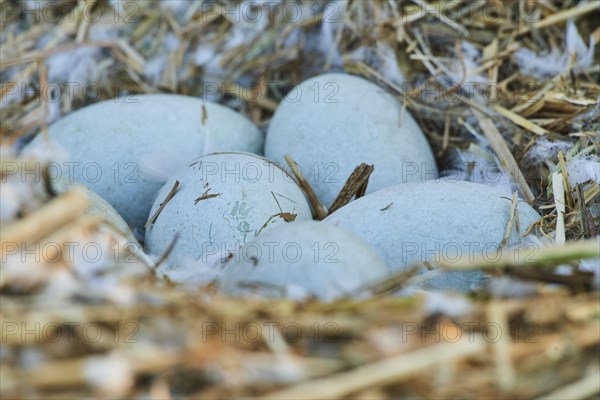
(304, 259)
(223, 201)
(331, 123)
(435, 221)
(121, 148)
(97, 206)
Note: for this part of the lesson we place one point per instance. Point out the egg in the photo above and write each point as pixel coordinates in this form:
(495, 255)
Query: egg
(218, 203)
(304, 259)
(333, 122)
(97, 206)
(435, 221)
(125, 149)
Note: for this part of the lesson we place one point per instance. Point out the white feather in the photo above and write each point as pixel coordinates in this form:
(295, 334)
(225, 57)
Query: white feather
(544, 149)
(471, 57)
(334, 14)
(22, 270)
(592, 265)
(204, 54)
(583, 170)
(112, 375)
(60, 285)
(389, 63)
(479, 166)
(557, 61)
(195, 273)
(10, 200)
(507, 287)
(7, 151)
(154, 67)
(178, 7)
(46, 150)
(75, 65)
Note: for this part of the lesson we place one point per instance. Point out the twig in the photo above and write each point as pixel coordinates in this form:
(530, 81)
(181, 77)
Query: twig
(355, 185)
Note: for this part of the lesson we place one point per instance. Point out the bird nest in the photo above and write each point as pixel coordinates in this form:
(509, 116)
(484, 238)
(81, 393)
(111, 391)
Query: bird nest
(509, 83)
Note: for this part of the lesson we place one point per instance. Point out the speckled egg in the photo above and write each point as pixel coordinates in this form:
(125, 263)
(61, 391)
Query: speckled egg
(302, 260)
(435, 221)
(124, 149)
(217, 204)
(332, 123)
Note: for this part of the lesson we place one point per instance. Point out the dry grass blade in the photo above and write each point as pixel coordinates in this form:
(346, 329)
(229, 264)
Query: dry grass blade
(503, 152)
(590, 193)
(511, 221)
(381, 372)
(522, 122)
(41, 54)
(504, 369)
(259, 98)
(46, 220)
(559, 201)
(166, 254)
(531, 256)
(434, 11)
(65, 233)
(569, 202)
(584, 8)
(586, 388)
(356, 185)
(535, 96)
(578, 282)
(391, 283)
(287, 217)
(318, 207)
(206, 196)
(585, 217)
(162, 205)
(204, 115)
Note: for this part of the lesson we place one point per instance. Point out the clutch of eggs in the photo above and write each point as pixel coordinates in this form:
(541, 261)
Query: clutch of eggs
(246, 219)
(125, 149)
(215, 205)
(331, 123)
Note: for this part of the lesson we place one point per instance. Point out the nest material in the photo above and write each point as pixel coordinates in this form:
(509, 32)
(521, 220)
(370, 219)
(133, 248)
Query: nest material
(117, 330)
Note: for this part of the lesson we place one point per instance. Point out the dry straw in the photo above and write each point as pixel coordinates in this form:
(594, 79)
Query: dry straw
(71, 330)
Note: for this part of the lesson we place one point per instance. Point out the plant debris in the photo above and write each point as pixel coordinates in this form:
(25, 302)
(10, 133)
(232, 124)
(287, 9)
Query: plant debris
(507, 94)
(162, 205)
